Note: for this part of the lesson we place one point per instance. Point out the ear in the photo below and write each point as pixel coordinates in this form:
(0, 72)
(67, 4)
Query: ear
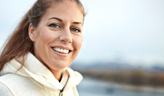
(31, 32)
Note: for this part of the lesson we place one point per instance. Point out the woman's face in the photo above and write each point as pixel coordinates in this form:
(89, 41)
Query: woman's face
(58, 37)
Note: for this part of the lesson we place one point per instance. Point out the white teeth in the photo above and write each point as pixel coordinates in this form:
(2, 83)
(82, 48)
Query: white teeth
(66, 51)
(61, 50)
(58, 49)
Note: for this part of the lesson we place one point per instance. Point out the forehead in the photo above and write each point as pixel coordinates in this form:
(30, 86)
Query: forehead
(66, 10)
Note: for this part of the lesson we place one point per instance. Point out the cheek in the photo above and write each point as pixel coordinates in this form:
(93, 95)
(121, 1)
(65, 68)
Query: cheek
(43, 41)
(78, 42)
(45, 37)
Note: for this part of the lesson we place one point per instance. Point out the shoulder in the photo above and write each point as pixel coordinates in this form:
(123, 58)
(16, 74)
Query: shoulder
(11, 82)
(19, 85)
(5, 91)
(12, 79)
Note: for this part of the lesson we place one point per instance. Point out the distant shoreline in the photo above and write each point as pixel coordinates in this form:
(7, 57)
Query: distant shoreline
(134, 77)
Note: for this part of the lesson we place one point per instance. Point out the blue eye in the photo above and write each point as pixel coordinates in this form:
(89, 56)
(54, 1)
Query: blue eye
(54, 25)
(75, 29)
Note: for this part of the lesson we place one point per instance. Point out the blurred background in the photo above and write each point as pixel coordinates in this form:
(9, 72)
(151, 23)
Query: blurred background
(123, 47)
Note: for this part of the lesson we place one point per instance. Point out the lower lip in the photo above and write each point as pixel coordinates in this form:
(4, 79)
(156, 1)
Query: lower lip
(61, 54)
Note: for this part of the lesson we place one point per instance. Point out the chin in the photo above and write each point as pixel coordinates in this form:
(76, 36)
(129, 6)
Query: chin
(59, 65)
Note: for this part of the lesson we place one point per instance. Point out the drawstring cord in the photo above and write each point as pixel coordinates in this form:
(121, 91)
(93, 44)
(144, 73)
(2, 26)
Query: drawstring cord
(61, 91)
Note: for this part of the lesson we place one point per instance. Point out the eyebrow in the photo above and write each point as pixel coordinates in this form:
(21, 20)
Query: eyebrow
(62, 20)
(56, 19)
(77, 23)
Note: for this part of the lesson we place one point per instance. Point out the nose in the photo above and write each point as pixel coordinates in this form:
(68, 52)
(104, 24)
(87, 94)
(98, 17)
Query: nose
(65, 36)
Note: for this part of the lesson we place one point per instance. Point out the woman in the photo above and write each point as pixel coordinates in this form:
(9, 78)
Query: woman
(35, 60)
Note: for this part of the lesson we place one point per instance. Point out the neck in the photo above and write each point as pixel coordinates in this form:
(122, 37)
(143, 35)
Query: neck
(57, 74)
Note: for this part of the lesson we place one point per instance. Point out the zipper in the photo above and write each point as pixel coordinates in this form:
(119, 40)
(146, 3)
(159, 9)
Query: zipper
(61, 91)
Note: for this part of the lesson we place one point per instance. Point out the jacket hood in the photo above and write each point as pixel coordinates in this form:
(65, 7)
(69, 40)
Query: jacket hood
(34, 69)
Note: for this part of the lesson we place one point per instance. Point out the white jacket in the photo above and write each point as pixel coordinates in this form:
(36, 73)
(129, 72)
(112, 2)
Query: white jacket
(34, 79)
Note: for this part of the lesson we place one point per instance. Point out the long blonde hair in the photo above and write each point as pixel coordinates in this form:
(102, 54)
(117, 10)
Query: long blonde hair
(19, 44)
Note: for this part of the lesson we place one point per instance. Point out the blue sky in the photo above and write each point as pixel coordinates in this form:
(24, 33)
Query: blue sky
(126, 30)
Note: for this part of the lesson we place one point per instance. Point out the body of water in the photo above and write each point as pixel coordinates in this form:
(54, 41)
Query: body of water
(94, 87)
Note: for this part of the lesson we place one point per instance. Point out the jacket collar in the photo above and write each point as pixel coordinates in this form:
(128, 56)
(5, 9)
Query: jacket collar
(33, 68)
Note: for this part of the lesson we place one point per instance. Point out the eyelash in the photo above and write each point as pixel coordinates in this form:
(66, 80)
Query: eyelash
(55, 25)
(75, 29)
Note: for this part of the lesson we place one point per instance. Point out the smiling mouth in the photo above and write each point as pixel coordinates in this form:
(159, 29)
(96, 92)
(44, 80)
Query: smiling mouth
(65, 51)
